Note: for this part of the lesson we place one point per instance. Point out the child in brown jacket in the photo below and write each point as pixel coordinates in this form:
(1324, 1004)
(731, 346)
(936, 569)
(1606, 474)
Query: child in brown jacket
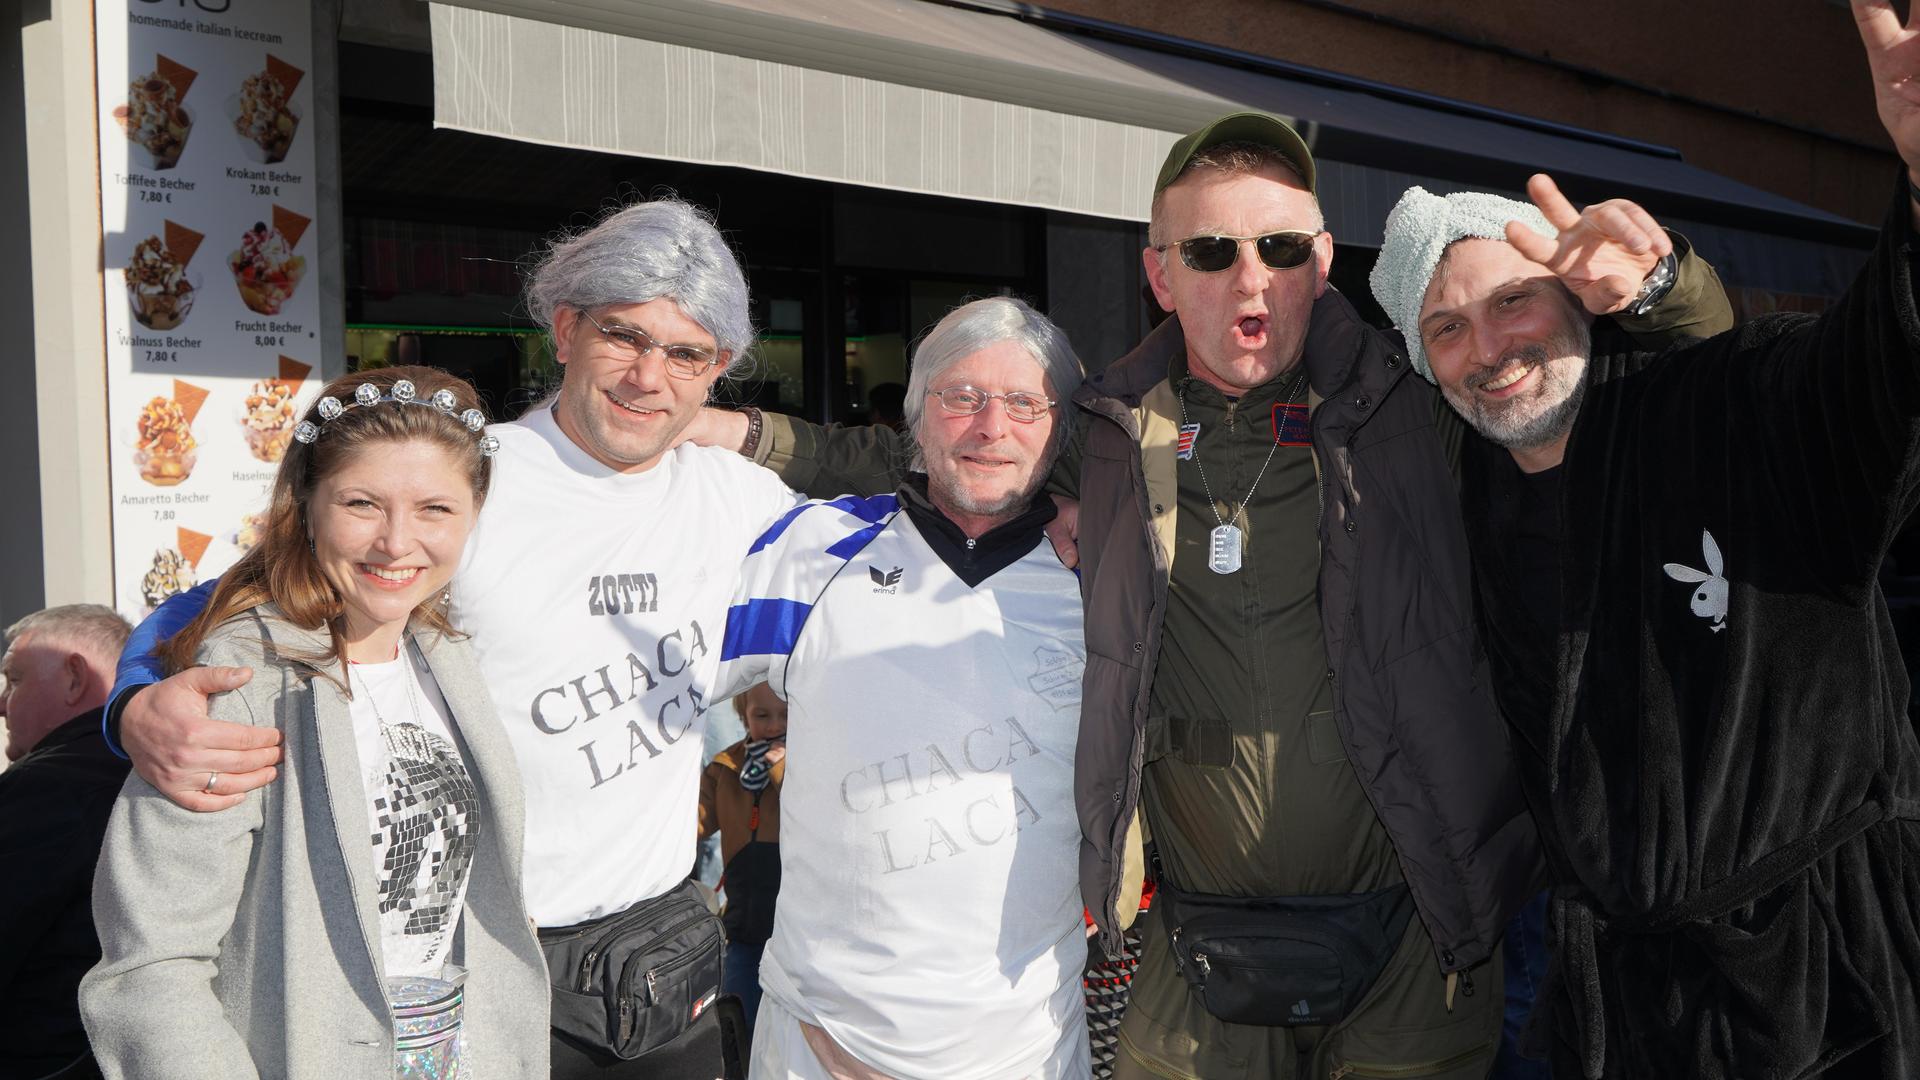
(740, 799)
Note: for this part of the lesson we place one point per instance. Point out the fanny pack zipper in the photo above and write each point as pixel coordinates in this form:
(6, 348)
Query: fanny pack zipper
(651, 978)
(1387, 1072)
(586, 962)
(1206, 968)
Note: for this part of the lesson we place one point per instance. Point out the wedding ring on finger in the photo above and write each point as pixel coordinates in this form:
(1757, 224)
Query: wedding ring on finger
(212, 779)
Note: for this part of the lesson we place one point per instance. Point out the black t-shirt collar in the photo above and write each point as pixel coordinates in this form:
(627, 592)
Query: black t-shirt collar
(977, 560)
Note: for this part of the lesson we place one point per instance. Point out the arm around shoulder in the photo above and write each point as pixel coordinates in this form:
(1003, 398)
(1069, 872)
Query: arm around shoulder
(824, 462)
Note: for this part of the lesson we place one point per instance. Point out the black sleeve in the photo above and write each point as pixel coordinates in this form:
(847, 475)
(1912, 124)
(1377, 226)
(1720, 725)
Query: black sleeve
(49, 836)
(1825, 413)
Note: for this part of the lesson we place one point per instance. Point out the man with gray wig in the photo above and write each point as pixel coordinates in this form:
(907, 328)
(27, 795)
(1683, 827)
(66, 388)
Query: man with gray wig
(1677, 559)
(937, 928)
(54, 803)
(595, 585)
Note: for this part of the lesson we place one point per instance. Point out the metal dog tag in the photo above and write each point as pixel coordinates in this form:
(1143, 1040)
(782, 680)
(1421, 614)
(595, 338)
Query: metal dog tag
(1224, 556)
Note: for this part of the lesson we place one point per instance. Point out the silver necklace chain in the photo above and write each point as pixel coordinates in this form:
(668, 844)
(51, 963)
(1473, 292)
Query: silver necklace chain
(1212, 503)
(408, 677)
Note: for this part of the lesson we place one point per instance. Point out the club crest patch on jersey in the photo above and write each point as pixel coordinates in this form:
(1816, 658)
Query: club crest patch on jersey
(1290, 426)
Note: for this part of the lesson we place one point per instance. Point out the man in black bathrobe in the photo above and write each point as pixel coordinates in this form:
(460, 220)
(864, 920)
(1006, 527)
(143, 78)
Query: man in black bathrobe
(1675, 557)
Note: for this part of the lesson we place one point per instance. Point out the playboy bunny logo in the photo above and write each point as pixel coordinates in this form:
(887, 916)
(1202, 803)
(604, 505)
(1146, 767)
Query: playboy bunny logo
(1710, 599)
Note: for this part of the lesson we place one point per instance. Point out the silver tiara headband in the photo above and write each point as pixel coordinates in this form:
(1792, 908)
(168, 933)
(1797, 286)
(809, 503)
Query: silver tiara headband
(403, 393)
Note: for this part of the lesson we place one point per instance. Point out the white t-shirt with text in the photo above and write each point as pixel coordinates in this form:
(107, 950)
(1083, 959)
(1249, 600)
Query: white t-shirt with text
(930, 915)
(596, 600)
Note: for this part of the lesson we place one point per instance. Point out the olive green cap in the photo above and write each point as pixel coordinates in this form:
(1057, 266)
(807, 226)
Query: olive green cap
(1264, 129)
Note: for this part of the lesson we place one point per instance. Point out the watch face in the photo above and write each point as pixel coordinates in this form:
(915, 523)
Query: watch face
(1655, 288)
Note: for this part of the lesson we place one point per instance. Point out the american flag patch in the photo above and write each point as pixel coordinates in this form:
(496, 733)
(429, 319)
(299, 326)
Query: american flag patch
(1188, 433)
(1290, 426)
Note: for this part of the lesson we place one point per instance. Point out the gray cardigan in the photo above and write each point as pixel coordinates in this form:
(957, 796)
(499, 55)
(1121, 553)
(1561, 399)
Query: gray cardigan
(247, 942)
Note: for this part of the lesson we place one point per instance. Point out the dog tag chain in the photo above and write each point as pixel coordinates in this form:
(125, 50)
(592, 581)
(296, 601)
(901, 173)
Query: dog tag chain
(1226, 544)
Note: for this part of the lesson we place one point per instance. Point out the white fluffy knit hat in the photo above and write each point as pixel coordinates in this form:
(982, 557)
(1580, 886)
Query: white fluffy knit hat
(1419, 229)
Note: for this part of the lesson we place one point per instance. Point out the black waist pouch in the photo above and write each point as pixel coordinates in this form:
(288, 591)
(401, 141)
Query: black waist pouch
(633, 981)
(1282, 961)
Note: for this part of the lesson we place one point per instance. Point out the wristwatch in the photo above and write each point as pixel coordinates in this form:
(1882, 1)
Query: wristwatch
(1658, 284)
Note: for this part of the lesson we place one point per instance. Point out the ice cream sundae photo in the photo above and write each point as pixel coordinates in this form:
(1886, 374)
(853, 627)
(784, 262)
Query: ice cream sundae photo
(164, 447)
(170, 575)
(264, 267)
(268, 419)
(157, 283)
(262, 112)
(175, 569)
(248, 534)
(154, 117)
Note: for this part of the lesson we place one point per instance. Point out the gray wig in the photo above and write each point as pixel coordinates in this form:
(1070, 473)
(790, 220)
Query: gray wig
(665, 249)
(974, 326)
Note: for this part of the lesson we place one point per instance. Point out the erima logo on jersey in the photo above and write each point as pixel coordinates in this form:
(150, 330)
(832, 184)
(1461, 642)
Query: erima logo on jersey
(886, 581)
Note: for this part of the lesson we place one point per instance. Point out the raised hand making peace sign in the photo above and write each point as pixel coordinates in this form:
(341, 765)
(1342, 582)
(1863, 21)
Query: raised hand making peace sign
(1893, 54)
(1603, 253)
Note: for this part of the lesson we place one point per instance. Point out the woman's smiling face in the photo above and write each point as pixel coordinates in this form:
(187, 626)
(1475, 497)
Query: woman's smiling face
(388, 529)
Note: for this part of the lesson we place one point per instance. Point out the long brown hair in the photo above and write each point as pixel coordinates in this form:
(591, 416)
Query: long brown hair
(282, 569)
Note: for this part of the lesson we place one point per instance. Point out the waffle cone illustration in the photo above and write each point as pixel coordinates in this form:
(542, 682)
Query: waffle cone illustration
(190, 397)
(192, 545)
(182, 242)
(287, 75)
(175, 74)
(291, 225)
(293, 372)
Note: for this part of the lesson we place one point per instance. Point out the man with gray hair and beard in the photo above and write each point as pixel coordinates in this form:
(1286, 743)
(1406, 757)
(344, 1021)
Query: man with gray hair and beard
(595, 586)
(1676, 559)
(938, 930)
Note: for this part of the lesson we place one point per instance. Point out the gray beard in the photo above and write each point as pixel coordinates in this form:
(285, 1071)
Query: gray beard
(1519, 428)
(943, 493)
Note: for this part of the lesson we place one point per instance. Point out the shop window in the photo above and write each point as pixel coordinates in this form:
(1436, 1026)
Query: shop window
(511, 369)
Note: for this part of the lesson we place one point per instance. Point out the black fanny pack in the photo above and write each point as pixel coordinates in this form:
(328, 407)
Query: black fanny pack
(1282, 961)
(631, 982)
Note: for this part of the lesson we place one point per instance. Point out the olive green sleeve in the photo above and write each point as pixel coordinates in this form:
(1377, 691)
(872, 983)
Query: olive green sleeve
(1064, 479)
(1696, 306)
(825, 462)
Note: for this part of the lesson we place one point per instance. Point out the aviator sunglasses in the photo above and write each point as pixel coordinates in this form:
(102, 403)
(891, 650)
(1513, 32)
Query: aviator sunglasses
(1281, 250)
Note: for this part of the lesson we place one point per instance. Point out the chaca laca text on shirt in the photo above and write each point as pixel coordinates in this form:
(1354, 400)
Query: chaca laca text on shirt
(596, 600)
(930, 916)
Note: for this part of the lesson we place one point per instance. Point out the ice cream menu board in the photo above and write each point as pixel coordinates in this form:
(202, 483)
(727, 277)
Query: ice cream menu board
(207, 197)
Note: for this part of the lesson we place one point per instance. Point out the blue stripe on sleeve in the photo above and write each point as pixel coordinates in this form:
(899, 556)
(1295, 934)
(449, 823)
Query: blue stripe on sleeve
(870, 509)
(850, 546)
(778, 527)
(763, 628)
